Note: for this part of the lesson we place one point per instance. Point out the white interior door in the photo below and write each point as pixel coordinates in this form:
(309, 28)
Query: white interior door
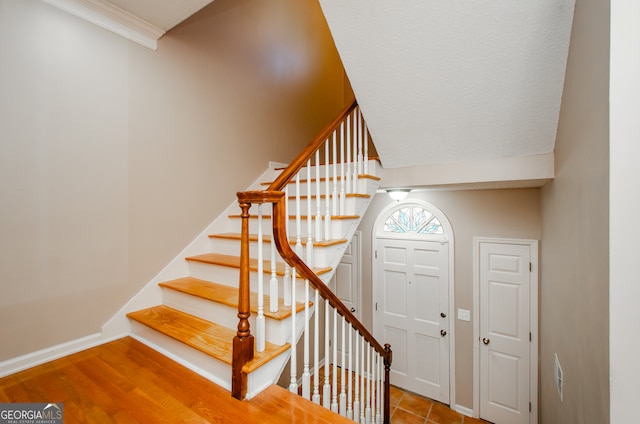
(412, 313)
(505, 332)
(346, 285)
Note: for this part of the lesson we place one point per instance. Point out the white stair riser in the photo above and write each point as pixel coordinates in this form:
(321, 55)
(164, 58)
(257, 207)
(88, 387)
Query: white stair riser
(337, 227)
(322, 255)
(266, 375)
(215, 370)
(277, 331)
(351, 206)
(230, 277)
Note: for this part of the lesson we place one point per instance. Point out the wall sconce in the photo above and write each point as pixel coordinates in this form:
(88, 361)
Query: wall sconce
(398, 194)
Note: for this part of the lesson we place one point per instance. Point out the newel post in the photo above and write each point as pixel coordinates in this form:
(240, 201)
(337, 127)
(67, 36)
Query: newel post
(387, 383)
(243, 342)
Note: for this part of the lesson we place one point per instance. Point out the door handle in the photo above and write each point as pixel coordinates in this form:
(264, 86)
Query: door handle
(486, 341)
(443, 333)
(443, 315)
(353, 310)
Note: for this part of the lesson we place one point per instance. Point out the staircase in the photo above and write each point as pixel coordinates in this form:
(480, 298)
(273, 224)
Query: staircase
(190, 311)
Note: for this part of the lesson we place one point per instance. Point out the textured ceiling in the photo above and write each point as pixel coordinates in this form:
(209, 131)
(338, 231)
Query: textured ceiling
(455, 81)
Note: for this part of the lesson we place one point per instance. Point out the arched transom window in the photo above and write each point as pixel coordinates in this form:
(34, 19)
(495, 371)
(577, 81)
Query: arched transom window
(412, 219)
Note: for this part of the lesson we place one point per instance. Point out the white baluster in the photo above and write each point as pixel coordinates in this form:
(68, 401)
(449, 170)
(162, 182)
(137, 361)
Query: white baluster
(326, 388)
(306, 377)
(368, 410)
(342, 183)
(347, 174)
(287, 268)
(350, 381)
(316, 349)
(366, 149)
(327, 216)
(360, 142)
(356, 395)
(356, 135)
(260, 326)
(293, 383)
(319, 229)
(379, 391)
(334, 388)
(298, 220)
(273, 282)
(343, 382)
(374, 384)
(334, 196)
(363, 406)
(309, 245)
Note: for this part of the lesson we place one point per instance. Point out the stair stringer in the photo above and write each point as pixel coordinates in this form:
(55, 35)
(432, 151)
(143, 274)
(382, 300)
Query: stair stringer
(150, 294)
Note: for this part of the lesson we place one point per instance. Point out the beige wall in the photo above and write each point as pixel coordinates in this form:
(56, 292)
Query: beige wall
(113, 157)
(512, 213)
(575, 265)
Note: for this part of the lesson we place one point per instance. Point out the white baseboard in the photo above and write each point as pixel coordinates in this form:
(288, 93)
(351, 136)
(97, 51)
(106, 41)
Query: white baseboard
(42, 356)
(464, 410)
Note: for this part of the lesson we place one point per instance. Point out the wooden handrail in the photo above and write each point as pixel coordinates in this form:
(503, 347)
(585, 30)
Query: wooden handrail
(300, 160)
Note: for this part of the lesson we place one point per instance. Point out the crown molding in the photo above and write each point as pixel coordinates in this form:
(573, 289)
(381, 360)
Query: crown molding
(114, 19)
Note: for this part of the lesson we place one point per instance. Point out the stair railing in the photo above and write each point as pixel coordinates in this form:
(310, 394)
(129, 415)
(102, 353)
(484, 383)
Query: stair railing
(363, 395)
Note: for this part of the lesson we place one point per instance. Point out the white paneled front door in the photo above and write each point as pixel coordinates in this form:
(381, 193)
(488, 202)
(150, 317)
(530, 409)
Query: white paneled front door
(412, 313)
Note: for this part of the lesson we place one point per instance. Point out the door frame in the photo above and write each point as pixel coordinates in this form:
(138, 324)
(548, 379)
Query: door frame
(448, 238)
(533, 311)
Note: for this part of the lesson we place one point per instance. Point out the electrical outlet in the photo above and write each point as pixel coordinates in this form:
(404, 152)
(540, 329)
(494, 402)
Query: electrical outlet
(559, 378)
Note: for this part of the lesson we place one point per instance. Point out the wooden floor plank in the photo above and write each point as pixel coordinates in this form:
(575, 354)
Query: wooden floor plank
(125, 381)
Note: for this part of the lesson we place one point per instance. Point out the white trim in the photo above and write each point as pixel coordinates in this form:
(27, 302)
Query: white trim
(447, 238)
(39, 357)
(114, 19)
(463, 410)
(533, 347)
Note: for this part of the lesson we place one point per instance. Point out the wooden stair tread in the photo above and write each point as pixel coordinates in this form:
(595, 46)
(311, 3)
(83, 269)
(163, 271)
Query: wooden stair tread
(207, 337)
(267, 239)
(234, 262)
(304, 217)
(227, 295)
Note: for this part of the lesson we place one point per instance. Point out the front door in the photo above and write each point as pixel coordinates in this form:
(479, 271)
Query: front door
(505, 332)
(412, 313)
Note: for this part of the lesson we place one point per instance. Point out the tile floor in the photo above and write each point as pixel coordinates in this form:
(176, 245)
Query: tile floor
(409, 408)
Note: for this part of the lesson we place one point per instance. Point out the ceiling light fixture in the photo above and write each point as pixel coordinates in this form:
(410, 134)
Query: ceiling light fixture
(398, 194)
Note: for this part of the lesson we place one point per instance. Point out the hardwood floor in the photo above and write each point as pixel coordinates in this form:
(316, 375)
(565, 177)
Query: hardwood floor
(127, 382)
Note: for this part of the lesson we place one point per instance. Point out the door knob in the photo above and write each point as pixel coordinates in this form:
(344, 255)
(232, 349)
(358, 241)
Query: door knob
(443, 315)
(443, 333)
(486, 341)
(353, 309)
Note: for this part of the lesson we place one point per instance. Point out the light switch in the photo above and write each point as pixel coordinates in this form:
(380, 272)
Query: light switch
(464, 315)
